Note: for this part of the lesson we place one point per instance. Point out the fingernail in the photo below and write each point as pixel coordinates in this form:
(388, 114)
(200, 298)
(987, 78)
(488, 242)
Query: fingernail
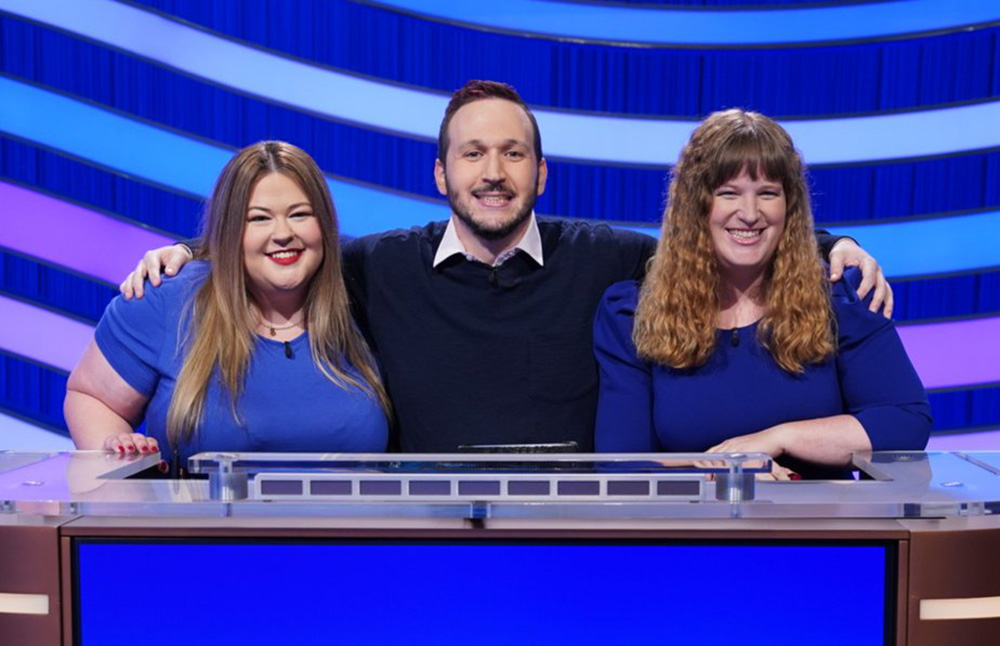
(144, 450)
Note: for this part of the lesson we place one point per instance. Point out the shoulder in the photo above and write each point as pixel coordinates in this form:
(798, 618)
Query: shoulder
(585, 232)
(173, 291)
(854, 320)
(395, 239)
(621, 299)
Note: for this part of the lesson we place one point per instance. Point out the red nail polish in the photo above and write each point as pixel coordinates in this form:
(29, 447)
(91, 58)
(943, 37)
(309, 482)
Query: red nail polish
(794, 476)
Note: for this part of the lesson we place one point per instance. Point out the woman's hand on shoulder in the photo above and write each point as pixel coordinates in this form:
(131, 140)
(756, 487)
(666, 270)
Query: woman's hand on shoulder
(130, 443)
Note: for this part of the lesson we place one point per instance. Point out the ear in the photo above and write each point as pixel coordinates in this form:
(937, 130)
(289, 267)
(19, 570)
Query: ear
(439, 178)
(543, 174)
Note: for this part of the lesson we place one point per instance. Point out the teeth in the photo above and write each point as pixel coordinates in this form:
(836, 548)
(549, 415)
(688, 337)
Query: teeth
(745, 234)
(284, 254)
(494, 200)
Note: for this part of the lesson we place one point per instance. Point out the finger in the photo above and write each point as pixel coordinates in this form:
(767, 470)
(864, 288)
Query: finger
(113, 444)
(141, 443)
(153, 445)
(151, 261)
(125, 288)
(869, 276)
(878, 294)
(138, 280)
(889, 301)
(836, 266)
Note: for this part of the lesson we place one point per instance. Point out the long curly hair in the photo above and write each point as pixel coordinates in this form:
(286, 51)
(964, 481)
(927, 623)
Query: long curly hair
(680, 299)
(221, 337)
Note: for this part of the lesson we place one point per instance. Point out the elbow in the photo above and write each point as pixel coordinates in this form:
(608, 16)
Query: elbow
(898, 428)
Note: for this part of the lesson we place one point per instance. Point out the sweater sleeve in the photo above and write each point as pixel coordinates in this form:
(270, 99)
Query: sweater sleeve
(625, 400)
(878, 383)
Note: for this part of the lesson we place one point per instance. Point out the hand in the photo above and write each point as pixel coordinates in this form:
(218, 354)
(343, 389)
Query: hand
(770, 441)
(847, 253)
(170, 259)
(130, 443)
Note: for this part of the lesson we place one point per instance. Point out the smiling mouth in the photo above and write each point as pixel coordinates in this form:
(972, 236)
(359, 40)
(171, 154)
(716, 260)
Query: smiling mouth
(493, 198)
(745, 236)
(285, 256)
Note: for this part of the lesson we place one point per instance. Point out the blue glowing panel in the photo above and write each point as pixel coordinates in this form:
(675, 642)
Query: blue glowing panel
(608, 140)
(480, 593)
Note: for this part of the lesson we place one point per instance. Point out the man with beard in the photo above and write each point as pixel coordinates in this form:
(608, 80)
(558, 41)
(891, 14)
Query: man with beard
(483, 323)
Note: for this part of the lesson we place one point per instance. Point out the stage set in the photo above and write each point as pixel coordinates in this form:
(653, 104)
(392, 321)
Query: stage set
(117, 116)
(496, 549)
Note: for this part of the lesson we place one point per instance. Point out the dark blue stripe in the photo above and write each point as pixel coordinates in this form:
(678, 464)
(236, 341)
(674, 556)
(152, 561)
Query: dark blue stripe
(32, 392)
(54, 288)
(814, 81)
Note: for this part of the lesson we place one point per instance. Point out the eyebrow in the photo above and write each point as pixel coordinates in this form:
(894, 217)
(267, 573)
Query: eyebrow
(508, 142)
(290, 208)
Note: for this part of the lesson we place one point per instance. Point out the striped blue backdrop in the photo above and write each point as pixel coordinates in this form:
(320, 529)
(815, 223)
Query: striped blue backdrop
(174, 73)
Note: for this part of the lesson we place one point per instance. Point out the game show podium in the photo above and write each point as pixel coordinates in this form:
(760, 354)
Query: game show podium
(497, 549)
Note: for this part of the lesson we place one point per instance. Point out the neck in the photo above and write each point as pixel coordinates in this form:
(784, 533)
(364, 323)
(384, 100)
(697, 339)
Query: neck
(741, 302)
(487, 251)
(280, 309)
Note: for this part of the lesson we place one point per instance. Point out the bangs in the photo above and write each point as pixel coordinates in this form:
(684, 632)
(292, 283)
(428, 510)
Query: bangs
(758, 151)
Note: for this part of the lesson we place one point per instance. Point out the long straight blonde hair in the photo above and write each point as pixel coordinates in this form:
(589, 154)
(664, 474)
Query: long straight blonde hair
(675, 321)
(219, 326)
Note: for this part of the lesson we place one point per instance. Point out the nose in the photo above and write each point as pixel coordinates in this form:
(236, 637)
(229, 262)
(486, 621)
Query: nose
(493, 170)
(282, 232)
(749, 212)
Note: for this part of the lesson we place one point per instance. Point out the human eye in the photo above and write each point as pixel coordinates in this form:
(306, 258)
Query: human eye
(257, 217)
(301, 215)
(515, 154)
(472, 154)
(725, 191)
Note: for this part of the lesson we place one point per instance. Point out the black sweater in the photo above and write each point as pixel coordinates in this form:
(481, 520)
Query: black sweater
(473, 354)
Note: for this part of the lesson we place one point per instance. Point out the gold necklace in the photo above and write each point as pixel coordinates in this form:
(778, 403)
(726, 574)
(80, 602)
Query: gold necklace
(273, 329)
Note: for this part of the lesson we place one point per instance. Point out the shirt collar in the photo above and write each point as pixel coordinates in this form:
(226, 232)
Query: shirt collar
(530, 243)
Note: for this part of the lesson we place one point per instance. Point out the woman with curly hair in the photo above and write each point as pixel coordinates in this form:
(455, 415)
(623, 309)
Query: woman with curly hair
(735, 342)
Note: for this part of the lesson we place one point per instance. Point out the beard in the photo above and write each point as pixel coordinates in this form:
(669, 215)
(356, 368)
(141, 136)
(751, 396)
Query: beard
(492, 230)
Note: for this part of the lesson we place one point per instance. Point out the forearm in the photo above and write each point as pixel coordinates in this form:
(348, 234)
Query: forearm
(91, 422)
(827, 440)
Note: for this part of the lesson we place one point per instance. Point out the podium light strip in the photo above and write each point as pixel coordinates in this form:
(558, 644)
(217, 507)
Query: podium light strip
(618, 140)
(918, 247)
(971, 608)
(24, 604)
(71, 236)
(698, 27)
(945, 355)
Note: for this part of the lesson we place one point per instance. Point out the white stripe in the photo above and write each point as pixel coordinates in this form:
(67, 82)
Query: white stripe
(24, 604)
(970, 608)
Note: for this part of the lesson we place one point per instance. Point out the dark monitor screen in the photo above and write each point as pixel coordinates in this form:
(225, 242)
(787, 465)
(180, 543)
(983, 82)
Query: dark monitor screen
(408, 591)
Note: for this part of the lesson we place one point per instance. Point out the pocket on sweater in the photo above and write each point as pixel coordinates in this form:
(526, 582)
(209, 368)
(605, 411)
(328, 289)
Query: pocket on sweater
(561, 369)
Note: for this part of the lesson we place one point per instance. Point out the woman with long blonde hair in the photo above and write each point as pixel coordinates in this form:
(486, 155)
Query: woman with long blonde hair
(734, 342)
(254, 350)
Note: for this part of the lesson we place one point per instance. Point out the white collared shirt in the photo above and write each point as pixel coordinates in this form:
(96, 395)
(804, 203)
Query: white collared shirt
(530, 243)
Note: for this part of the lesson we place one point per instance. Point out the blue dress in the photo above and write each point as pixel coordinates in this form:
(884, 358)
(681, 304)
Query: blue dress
(741, 389)
(287, 403)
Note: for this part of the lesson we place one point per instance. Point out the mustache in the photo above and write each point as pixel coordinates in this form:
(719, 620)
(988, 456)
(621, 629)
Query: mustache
(493, 187)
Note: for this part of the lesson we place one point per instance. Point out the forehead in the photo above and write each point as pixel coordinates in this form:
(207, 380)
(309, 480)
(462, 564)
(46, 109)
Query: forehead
(489, 121)
(276, 188)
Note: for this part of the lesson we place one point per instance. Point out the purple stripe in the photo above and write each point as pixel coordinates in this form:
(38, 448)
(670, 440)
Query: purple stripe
(41, 335)
(984, 441)
(957, 353)
(71, 236)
